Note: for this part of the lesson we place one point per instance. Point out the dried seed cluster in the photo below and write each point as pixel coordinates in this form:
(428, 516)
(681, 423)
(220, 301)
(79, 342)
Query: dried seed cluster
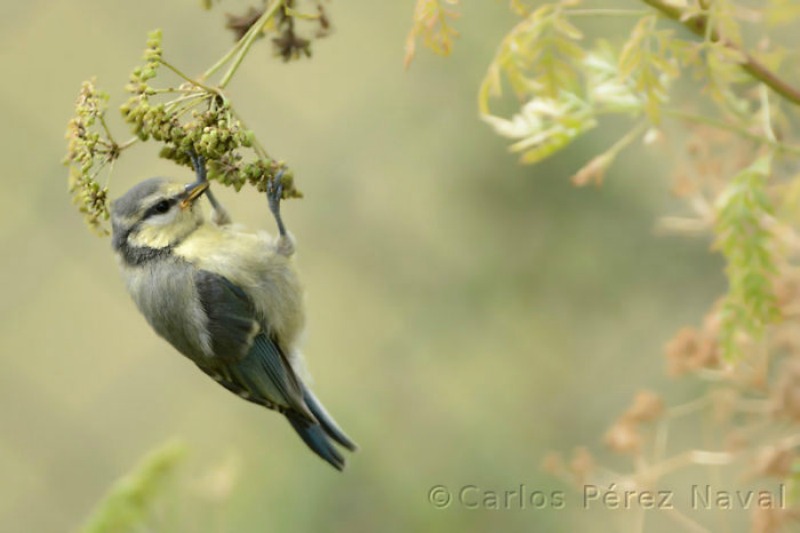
(89, 146)
(191, 117)
(211, 130)
(289, 45)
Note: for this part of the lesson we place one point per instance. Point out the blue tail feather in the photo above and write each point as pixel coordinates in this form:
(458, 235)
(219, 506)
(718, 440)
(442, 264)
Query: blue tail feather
(315, 438)
(326, 421)
(319, 435)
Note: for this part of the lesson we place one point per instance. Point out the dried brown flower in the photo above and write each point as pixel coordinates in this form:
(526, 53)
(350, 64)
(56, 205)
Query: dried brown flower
(736, 441)
(553, 463)
(787, 293)
(723, 403)
(689, 351)
(240, 24)
(767, 520)
(774, 461)
(647, 406)
(290, 46)
(623, 437)
(581, 465)
(786, 393)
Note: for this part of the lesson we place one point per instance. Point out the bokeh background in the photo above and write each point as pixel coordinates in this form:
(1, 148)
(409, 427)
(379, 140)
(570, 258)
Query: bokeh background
(466, 314)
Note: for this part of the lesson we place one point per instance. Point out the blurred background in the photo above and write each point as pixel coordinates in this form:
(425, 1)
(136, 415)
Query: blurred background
(466, 314)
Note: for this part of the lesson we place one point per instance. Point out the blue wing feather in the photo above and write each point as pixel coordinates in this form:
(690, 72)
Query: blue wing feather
(255, 368)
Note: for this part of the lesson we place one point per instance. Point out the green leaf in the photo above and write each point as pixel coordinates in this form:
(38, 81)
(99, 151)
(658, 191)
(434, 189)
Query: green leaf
(129, 504)
(746, 242)
(646, 63)
(544, 126)
(540, 56)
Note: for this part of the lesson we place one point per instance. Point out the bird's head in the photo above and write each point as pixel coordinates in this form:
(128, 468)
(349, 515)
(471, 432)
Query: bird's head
(156, 214)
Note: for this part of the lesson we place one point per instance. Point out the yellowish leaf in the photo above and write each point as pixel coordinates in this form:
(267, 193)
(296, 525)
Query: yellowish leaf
(593, 171)
(432, 24)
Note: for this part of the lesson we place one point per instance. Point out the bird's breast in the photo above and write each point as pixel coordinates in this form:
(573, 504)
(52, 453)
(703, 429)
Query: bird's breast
(165, 294)
(251, 262)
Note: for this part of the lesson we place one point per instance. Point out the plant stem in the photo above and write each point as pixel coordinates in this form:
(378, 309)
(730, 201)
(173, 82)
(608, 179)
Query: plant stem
(196, 83)
(297, 15)
(763, 95)
(224, 59)
(698, 25)
(600, 12)
(236, 47)
(243, 46)
(106, 129)
(127, 144)
(171, 105)
(744, 132)
(110, 171)
(627, 139)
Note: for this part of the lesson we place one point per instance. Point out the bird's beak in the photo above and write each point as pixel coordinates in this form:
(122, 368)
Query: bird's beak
(193, 192)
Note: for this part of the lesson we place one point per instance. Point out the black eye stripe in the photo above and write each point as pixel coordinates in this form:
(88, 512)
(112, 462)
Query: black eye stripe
(160, 207)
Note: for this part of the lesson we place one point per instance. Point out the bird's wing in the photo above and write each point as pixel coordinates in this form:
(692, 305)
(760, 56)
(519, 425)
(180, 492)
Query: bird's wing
(247, 361)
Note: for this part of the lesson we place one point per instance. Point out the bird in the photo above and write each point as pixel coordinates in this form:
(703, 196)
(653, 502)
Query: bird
(226, 298)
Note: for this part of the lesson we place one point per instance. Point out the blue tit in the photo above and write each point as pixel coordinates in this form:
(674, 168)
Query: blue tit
(227, 299)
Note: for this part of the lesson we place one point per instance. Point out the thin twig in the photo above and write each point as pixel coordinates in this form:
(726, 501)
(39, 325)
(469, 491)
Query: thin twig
(727, 126)
(127, 144)
(600, 12)
(685, 521)
(186, 78)
(248, 40)
(698, 24)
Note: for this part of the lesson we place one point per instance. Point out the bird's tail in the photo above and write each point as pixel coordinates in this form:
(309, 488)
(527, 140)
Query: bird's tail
(327, 422)
(315, 438)
(318, 436)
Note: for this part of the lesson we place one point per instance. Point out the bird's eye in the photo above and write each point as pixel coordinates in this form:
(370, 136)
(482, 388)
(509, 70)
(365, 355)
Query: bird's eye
(162, 207)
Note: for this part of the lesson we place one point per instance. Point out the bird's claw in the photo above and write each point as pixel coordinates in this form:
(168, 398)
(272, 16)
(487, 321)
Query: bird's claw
(274, 196)
(199, 164)
(220, 216)
(275, 191)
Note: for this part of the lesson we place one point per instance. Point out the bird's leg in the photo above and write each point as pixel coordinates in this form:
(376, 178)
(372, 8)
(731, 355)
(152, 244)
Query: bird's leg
(220, 216)
(274, 196)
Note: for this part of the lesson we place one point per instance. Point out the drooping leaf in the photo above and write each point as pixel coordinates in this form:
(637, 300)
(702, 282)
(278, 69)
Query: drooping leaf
(745, 240)
(130, 503)
(540, 56)
(432, 23)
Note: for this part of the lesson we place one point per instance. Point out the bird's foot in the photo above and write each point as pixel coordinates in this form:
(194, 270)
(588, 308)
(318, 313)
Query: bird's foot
(275, 192)
(199, 164)
(220, 217)
(274, 197)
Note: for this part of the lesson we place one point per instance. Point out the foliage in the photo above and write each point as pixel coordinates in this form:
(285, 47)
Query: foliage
(710, 65)
(745, 242)
(148, 498)
(540, 55)
(130, 503)
(192, 115)
(88, 149)
(212, 129)
(735, 174)
(432, 23)
(566, 85)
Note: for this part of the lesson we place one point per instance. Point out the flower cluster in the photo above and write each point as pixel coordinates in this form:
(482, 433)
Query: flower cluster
(89, 146)
(201, 120)
(190, 117)
(624, 435)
